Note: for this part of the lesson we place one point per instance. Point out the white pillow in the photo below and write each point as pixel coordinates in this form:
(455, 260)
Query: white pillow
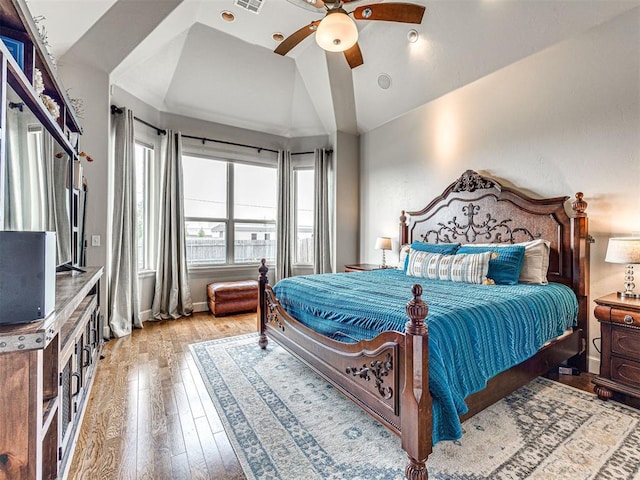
(535, 263)
(404, 251)
(463, 267)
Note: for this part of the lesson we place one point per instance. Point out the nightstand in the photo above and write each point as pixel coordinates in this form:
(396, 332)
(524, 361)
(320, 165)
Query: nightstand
(362, 267)
(620, 356)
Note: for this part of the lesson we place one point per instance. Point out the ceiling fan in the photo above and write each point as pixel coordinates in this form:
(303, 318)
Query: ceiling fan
(337, 31)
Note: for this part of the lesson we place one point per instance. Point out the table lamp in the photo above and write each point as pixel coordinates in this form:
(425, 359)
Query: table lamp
(383, 243)
(625, 250)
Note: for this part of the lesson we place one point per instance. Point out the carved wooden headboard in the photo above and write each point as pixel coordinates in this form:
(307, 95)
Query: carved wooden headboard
(477, 209)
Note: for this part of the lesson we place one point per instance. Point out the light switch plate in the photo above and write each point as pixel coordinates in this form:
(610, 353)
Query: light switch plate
(95, 240)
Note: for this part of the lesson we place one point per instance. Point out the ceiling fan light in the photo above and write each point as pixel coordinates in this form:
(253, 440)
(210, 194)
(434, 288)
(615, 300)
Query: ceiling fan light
(337, 32)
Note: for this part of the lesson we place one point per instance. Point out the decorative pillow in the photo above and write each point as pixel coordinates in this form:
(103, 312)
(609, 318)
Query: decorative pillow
(504, 268)
(535, 263)
(404, 255)
(467, 268)
(443, 248)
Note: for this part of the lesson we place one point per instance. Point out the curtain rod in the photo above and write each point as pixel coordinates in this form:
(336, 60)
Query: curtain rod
(115, 109)
(160, 131)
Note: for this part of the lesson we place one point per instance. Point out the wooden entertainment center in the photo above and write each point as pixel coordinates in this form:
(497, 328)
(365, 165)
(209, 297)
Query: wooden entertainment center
(47, 367)
(46, 372)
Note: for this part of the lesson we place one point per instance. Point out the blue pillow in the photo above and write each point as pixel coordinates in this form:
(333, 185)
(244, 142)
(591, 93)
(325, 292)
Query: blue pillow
(442, 248)
(505, 268)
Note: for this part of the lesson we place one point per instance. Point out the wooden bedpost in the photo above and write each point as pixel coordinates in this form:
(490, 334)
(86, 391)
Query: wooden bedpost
(580, 275)
(404, 230)
(415, 415)
(263, 281)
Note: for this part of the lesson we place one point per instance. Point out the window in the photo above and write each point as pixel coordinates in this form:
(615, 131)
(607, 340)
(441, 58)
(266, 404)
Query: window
(230, 211)
(143, 158)
(304, 198)
(205, 209)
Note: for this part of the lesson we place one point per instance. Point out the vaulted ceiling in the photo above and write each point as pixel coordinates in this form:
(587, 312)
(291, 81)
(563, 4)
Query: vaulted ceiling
(180, 56)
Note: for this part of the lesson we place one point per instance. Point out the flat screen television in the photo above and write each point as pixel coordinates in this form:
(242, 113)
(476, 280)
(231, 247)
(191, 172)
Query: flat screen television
(37, 195)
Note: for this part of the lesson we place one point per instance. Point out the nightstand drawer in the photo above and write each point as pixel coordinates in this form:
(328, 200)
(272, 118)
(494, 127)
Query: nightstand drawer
(625, 371)
(625, 317)
(625, 341)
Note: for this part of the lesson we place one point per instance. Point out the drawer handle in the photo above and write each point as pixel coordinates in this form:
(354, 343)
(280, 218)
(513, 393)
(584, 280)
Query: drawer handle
(78, 384)
(87, 362)
(628, 319)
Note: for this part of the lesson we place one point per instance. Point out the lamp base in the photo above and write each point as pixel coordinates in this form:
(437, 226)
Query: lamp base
(628, 295)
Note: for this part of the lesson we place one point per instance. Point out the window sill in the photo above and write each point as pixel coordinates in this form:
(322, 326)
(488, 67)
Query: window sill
(146, 273)
(206, 269)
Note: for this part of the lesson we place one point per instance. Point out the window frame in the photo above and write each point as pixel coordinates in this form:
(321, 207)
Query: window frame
(231, 158)
(152, 180)
(300, 166)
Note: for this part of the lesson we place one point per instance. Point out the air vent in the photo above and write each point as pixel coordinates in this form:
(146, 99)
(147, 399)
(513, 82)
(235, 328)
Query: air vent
(251, 5)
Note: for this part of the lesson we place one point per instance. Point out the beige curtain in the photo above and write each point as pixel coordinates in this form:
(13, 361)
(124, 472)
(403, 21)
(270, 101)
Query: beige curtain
(285, 223)
(322, 220)
(172, 297)
(124, 303)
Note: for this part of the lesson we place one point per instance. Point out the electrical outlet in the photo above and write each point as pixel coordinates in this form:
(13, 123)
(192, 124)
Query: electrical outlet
(95, 240)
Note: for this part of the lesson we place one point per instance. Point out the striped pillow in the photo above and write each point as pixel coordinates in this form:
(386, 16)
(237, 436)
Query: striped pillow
(444, 248)
(465, 267)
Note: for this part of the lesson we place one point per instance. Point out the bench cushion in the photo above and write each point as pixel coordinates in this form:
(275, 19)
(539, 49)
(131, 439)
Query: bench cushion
(232, 297)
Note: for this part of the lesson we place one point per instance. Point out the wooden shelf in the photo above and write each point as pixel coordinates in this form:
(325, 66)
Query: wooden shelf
(49, 410)
(44, 363)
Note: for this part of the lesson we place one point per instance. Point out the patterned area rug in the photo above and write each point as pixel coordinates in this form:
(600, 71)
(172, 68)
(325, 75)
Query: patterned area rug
(285, 422)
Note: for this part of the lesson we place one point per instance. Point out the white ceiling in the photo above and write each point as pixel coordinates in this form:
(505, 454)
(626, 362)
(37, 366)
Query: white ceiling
(181, 57)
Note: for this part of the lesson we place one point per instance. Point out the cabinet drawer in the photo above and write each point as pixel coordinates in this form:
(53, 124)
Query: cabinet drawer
(603, 313)
(625, 317)
(625, 341)
(625, 371)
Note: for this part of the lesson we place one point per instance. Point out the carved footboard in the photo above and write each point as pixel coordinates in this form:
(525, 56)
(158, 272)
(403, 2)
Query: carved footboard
(387, 376)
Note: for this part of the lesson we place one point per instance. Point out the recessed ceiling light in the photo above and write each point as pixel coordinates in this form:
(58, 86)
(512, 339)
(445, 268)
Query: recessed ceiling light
(227, 16)
(278, 37)
(413, 36)
(384, 81)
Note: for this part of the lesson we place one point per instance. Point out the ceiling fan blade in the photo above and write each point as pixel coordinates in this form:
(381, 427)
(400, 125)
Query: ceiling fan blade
(295, 38)
(354, 56)
(390, 12)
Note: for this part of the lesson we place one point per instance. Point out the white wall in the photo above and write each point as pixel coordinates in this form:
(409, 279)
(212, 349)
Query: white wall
(92, 87)
(564, 120)
(346, 167)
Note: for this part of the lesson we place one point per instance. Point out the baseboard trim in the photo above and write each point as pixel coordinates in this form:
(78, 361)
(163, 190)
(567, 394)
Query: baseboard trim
(145, 315)
(200, 307)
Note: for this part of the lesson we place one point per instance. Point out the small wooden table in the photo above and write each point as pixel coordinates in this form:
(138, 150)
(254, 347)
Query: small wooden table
(363, 267)
(619, 319)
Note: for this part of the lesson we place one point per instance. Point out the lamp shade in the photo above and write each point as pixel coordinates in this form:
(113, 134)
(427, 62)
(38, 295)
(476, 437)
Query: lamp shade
(383, 243)
(337, 32)
(623, 250)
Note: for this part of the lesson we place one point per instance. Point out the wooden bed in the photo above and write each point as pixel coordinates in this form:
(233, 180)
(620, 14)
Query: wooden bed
(387, 376)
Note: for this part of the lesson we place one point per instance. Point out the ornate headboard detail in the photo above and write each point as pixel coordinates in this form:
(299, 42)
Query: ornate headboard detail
(477, 209)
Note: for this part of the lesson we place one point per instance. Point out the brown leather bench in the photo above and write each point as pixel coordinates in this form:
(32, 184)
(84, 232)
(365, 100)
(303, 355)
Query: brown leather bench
(232, 297)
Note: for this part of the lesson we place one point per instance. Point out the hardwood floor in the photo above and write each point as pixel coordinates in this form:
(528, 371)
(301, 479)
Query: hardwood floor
(149, 415)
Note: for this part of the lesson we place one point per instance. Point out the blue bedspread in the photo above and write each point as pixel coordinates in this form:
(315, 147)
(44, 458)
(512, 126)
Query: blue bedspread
(475, 331)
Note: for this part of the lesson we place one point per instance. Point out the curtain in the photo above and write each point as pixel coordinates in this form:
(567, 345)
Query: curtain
(58, 213)
(172, 297)
(124, 302)
(285, 234)
(322, 251)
